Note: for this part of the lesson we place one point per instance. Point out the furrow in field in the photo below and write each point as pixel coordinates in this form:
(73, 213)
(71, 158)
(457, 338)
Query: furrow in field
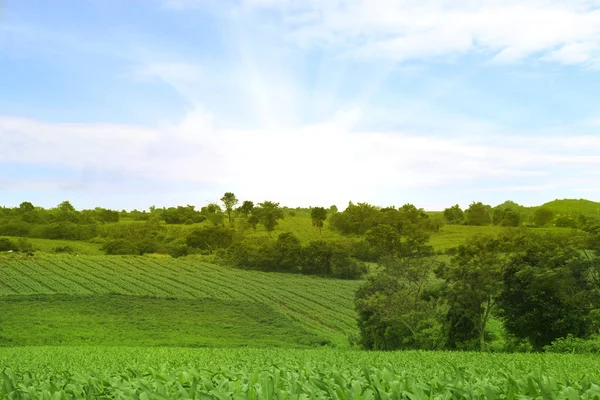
(214, 279)
(179, 289)
(56, 283)
(138, 280)
(113, 282)
(279, 300)
(23, 268)
(260, 296)
(185, 281)
(15, 280)
(317, 308)
(212, 288)
(80, 278)
(72, 286)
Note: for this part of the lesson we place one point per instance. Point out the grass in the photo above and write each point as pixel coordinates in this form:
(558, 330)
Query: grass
(148, 373)
(117, 320)
(323, 307)
(48, 245)
(573, 206)
(454, 235)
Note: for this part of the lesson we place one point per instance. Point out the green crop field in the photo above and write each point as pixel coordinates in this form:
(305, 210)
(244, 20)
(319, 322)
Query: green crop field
(162, 373)
(320, 309)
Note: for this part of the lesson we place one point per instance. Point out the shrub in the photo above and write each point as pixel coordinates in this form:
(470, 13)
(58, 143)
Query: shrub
(7, 245)
(120, 247)
(212, 238)
(572, 344)
(64, 249)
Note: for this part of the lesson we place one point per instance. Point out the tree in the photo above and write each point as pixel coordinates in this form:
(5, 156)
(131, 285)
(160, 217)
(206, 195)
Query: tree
(318, 215)
(477, 214)
(474, 282)
(565, 221)
(269, 213)
(511, 218)
(213, 213)
(454, 214)
(385, 240)
(547, 292)
(229, 200)
(320, 257)
(253, 220)
(505, 216)
(289, 250)
(246, 207)
(212, 238)
(393, 311)
(26, 207)
(543, 216)
(356, 218)
(392, 316)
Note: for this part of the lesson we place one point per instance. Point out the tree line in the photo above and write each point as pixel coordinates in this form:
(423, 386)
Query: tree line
(541, 287)
(512, 214)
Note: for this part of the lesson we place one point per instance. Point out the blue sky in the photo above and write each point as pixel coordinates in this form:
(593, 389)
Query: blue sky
(128, 104)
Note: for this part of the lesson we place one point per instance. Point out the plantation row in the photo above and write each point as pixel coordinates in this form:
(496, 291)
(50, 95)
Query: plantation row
(291, 374)
(322, 306)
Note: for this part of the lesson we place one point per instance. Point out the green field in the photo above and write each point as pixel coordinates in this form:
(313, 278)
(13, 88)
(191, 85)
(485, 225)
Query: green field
(454, 235)
(87, 325)
(161, 373)
(116, 320)
(50, 245)
(323, 308)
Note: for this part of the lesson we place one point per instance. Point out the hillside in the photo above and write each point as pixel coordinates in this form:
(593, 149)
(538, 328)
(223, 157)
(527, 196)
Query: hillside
(574, 206)
(306, 310)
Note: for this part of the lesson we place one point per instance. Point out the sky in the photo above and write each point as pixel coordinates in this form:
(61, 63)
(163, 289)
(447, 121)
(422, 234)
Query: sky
(134, 103)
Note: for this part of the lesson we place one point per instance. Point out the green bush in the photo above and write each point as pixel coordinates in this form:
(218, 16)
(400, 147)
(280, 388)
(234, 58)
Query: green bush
(7, 245)
(64, 249)
(210, 239)
(120, 247)
(572, 344)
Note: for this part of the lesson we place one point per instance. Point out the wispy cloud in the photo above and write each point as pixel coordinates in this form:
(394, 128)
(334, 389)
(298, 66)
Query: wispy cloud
(401, 30)
(307, 165)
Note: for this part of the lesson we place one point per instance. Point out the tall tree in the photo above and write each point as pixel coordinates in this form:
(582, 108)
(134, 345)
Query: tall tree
(454, 214)
(477, 214)
(213, 213)
(548, 291)
(246, 207)
(474, 282)
(543, 216)
(318, 215)
(393, 311)
(229, 201)
(269, 213)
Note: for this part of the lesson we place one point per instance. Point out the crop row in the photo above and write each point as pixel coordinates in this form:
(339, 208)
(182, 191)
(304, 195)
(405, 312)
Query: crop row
(130, 373)
(323, 306)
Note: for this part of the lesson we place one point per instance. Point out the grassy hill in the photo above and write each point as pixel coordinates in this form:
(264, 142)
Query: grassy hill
(574, 206)
(295, 310)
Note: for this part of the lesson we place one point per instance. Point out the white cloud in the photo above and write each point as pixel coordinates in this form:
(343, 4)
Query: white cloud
(313, 164)
(567, 32)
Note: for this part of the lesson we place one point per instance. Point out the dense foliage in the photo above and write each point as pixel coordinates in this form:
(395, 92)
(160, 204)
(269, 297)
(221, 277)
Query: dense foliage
(541, 287)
